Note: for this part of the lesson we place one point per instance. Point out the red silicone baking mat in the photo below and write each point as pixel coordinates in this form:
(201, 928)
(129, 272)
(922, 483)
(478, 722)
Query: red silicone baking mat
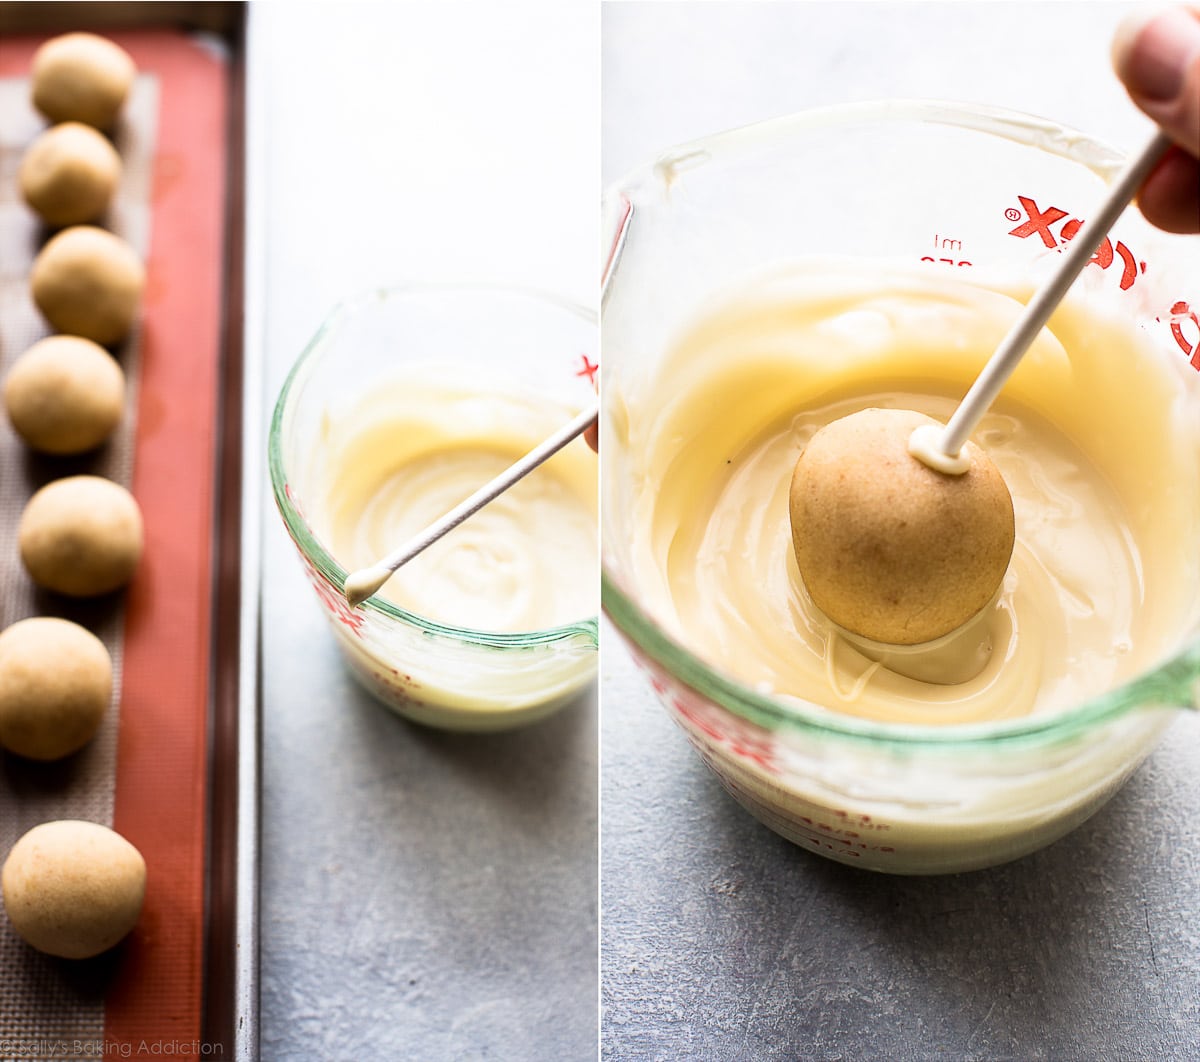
(148, 772)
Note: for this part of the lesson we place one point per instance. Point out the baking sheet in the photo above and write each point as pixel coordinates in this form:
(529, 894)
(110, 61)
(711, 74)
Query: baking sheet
(171, 768)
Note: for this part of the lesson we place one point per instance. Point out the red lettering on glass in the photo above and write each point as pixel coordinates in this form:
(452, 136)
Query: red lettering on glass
(1039, 221)
(587, 368)
(1183, 315)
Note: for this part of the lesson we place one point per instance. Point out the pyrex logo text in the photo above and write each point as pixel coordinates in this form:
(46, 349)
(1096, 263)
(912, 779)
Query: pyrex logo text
(1185, 324)
(1040, 222)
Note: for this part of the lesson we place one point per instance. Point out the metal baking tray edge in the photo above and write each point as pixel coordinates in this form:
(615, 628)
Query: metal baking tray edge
(231, 1011)
(251, 278)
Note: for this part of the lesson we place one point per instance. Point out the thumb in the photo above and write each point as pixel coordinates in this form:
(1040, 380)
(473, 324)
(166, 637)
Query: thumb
(1156, 54)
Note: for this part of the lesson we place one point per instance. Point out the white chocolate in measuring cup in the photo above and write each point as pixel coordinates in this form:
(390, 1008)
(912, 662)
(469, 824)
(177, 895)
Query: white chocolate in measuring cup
(519, 564)
(402, 457)
(1097, 445)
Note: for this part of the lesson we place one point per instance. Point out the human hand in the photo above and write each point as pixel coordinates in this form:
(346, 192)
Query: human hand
(1156, 54)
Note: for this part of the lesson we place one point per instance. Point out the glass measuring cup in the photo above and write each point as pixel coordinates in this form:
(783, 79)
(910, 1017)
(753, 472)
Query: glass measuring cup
(485, 344)
(960, 189)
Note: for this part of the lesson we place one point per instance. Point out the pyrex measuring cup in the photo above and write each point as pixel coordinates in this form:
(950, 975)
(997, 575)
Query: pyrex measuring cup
(966, 190)
(482, 345)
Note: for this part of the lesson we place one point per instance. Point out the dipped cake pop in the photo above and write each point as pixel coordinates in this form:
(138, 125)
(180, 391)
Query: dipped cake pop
(889, 548)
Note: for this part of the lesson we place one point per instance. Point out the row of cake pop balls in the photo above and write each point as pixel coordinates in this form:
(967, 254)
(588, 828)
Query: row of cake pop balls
(72, 888)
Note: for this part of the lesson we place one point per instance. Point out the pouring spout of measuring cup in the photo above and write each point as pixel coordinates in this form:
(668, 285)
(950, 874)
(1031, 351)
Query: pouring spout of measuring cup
(941, 449)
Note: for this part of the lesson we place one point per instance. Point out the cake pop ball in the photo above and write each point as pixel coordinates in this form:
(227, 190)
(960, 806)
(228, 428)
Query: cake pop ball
(81, 77)
(65, 395)
(56, 680)
(88, 282)
(73, 889)
(69, 174)
(889, 548)
(81, 536)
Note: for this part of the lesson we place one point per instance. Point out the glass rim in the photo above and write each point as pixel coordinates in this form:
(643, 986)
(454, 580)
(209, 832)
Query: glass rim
(1021, 127)
(1174, 683)
(310, 545)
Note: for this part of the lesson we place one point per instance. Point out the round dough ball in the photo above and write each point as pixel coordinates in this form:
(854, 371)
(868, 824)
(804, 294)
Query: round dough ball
(69, 174)
(73, 889)
(81, 536)
(888, 548)
(55, 686)
(65, 395)
(83, 78)
(88, 282)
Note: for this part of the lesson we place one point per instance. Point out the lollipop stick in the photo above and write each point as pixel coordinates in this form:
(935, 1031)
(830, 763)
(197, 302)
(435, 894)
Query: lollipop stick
(1037, 312)
(363, 584)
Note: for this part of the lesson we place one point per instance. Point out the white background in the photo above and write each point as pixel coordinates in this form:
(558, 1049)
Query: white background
(427, 141)
(677, 71)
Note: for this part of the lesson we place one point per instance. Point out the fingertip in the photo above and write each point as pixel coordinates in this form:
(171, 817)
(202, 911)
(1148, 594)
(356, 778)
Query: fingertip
(1170, 197)
(1153, 50)
(1125, 38)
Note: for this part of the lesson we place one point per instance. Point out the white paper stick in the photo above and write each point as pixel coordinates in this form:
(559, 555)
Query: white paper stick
(1046, 299)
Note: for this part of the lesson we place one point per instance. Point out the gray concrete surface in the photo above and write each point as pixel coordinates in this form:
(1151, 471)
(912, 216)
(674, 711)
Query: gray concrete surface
(721, 941)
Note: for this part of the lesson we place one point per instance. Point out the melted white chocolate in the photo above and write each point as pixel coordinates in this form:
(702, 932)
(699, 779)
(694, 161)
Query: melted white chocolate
(409, 453)
(1091, 435)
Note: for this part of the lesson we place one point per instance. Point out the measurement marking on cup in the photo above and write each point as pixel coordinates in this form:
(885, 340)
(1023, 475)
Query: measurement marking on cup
(946, 243)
